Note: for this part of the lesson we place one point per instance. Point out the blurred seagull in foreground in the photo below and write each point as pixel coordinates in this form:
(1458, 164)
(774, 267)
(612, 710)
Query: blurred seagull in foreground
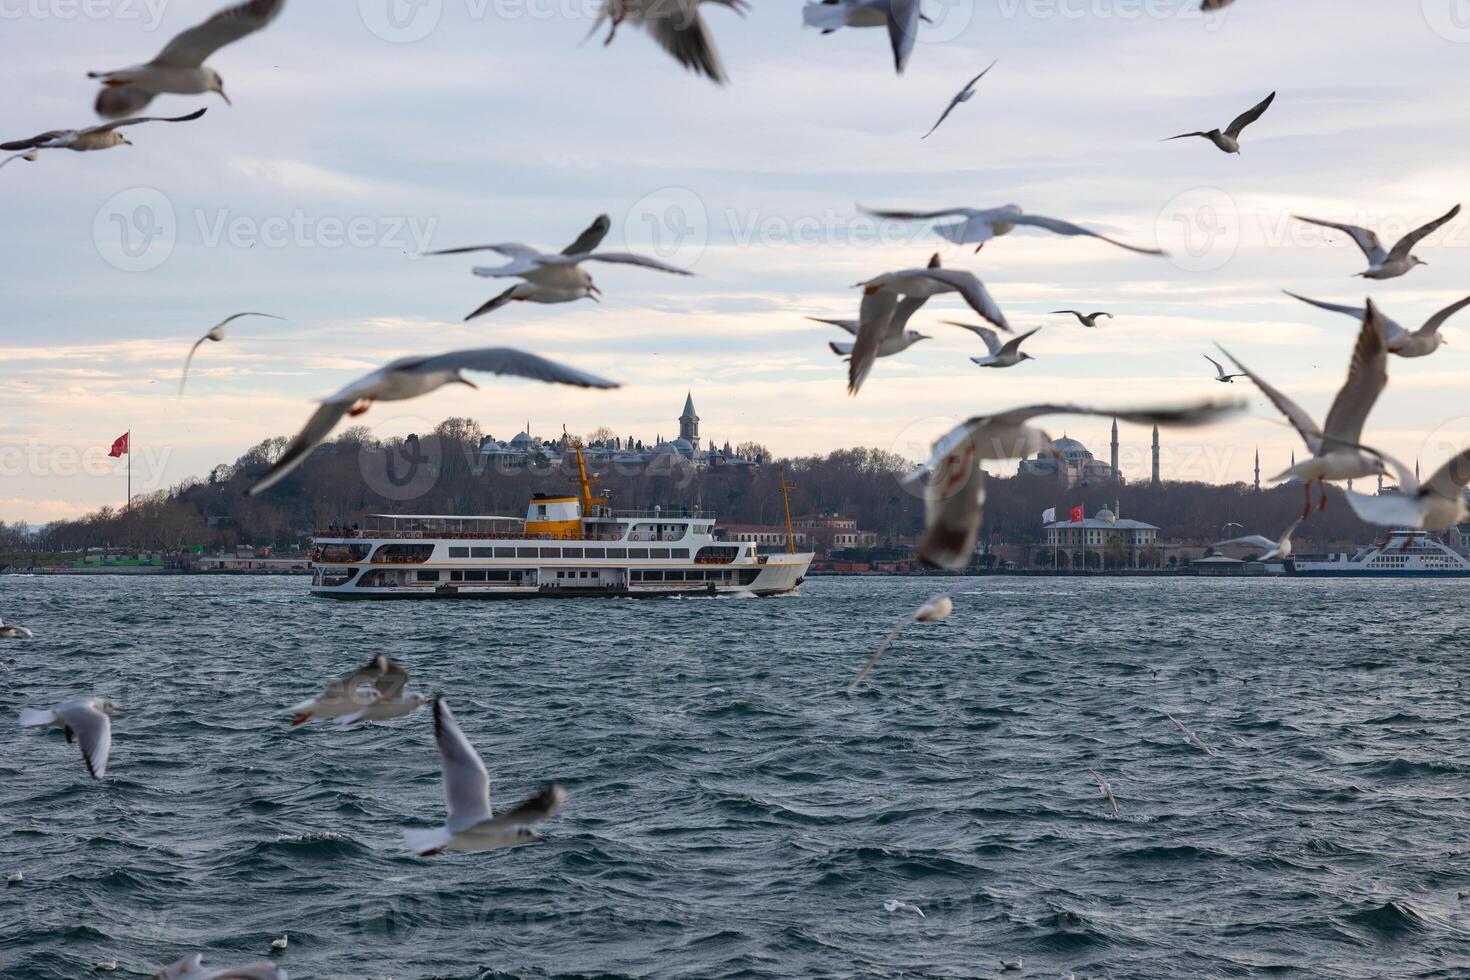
(410, 377)
(1002, 355)
(1189, 736)
(954, 491)
(1337, 453)
(935, 609)
(1387, 264)
(981, 225)
(901, 17)
(103, 137)
(676, 25)
(1086, 319)
(179, 67)
(1107, 789)
(9, 631)
(1229, 141)
(471, 827)
(379, 680)
(894, 905)
(192, 967)
(1437, 504)
(1220, 374)
(216, 333)
(963, 95)
(1280, 548)
(1405, 343)
(85, 721)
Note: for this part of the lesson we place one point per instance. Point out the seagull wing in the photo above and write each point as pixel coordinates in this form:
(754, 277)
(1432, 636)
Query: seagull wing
(922, 215)
(1406, 244)
(514, 249)
(1450, 480)
(346, 689)
(1294, 413)
(537, 808)
(851, 326)
(591, 238)
(507, 360)
(1284, 542)
(254, 971)
(317, 428)
(1067, 228)
(942, 117)
(953, 498)
(1254, 540)
(1219, 371)
(903, 30)
(192, 47)
(1192, 414)
(1249, 116)
(963, 94)
(1014, 344)
(907, 307)
(41, 140)
(1395, 510)
(972, 290)
(466, 783)
(1432, 325)
(989, 337)
(93, 731)
(184, 377)
(874, 318)
(391, 680)
(682, 33)
(135, 120)
(1366, 238)
(622, 258)
(1367, 377)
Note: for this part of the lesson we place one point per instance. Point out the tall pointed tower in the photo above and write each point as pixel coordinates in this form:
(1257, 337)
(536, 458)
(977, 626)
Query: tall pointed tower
(1156, 456)
(1258, 468)
(689, 422)
(1113, 458)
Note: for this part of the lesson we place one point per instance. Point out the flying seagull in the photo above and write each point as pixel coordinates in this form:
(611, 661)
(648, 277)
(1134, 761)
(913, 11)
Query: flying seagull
(1107, 789)
(1280, 548)
(216, 333)
(1337, 451)
(981, 225)
(963, 95)
(1086, 319)
(1189, 736)
(1220, 374)
(1437, 504)
(1005, 355)
(892, 343)
(1208, 5)
(410, 377)
(1405, 343)
(381, 677)
(103, 137)
(471, 827)
(1229, 141)
(85, 721)
(1387, 264)
(954, 490)
(936, 608)
(192, 967)
(895, 905)
(676, 25)
(179, 68)
(900, 17)
(9, 631)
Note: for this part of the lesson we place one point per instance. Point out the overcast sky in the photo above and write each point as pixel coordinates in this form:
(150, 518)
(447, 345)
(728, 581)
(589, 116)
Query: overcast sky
(357, 139)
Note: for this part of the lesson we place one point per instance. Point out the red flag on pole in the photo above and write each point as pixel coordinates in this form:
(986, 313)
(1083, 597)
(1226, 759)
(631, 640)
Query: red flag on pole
(1076, 514)
(119, 445)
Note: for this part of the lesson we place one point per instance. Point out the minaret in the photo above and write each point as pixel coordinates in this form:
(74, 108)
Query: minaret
(1380, 484)
(689, 422)
(1114, 457)
(1258, 468)
(1156, 456)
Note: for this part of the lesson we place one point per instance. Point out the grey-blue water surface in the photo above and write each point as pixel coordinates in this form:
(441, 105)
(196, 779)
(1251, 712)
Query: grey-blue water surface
(731, 813)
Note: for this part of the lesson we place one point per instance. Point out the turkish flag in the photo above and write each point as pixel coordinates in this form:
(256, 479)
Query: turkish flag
(120, 445)
(1076, 514)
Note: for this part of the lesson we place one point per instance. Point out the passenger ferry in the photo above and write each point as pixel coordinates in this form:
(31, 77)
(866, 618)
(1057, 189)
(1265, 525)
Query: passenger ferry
(1405, 553)
(564, 546)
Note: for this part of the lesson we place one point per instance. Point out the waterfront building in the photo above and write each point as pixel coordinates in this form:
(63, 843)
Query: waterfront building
(1106, 535)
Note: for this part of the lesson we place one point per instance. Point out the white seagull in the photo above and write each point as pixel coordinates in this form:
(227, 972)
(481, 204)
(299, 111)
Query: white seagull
(102, 137)
(192, 967)
(955, 488)
(1387, 264)
(890, 299)
(1229, 141)
(935, 609)
(471, 827)
(1405, 343)
(1220, 374)
(385, 708)
(9, 631)
(282, 943)
(1189, 736)
(1337, 450)
(410, 377)
(676, 25)
(1014, 965)
(216, 333)
(1086, 319)
(85, 721)
(15, 879)
(1280, 548)
(379, 680)
(890, 345)
(981, 225)
(900, 17)
(894, 905)
(1107, 789)
(1437, 504)
(1002, 355)
(963, 95)
(179, 67)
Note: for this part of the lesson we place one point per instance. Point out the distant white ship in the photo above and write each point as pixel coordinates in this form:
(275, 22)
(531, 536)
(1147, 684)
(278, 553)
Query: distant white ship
(1404, 553)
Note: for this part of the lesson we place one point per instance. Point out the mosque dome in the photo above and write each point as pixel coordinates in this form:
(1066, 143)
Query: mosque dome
(1106, 515)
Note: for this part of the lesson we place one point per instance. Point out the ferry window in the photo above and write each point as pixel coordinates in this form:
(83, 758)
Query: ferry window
(498, 575)
(550, 552)
(658, 552)
(571, 552)
(635, 576)
(525, 552)
(617, 552)
(651, 576)
(673, 576)
(428, 576)
(594, 552)
(456, 576)
(637, 552)
(540, 510)
(505, 552)
(680, 552)
(481, 552)
(459, 552)
(474, 575)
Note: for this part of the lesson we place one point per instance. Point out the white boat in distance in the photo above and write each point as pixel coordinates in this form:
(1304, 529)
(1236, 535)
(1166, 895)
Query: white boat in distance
(564, 546)
(1404, 553)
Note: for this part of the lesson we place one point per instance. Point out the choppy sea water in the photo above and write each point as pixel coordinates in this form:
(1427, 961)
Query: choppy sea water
(731, 813)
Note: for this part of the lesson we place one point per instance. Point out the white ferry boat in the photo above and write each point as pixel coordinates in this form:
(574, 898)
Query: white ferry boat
(564, 546)
(1403, 553)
